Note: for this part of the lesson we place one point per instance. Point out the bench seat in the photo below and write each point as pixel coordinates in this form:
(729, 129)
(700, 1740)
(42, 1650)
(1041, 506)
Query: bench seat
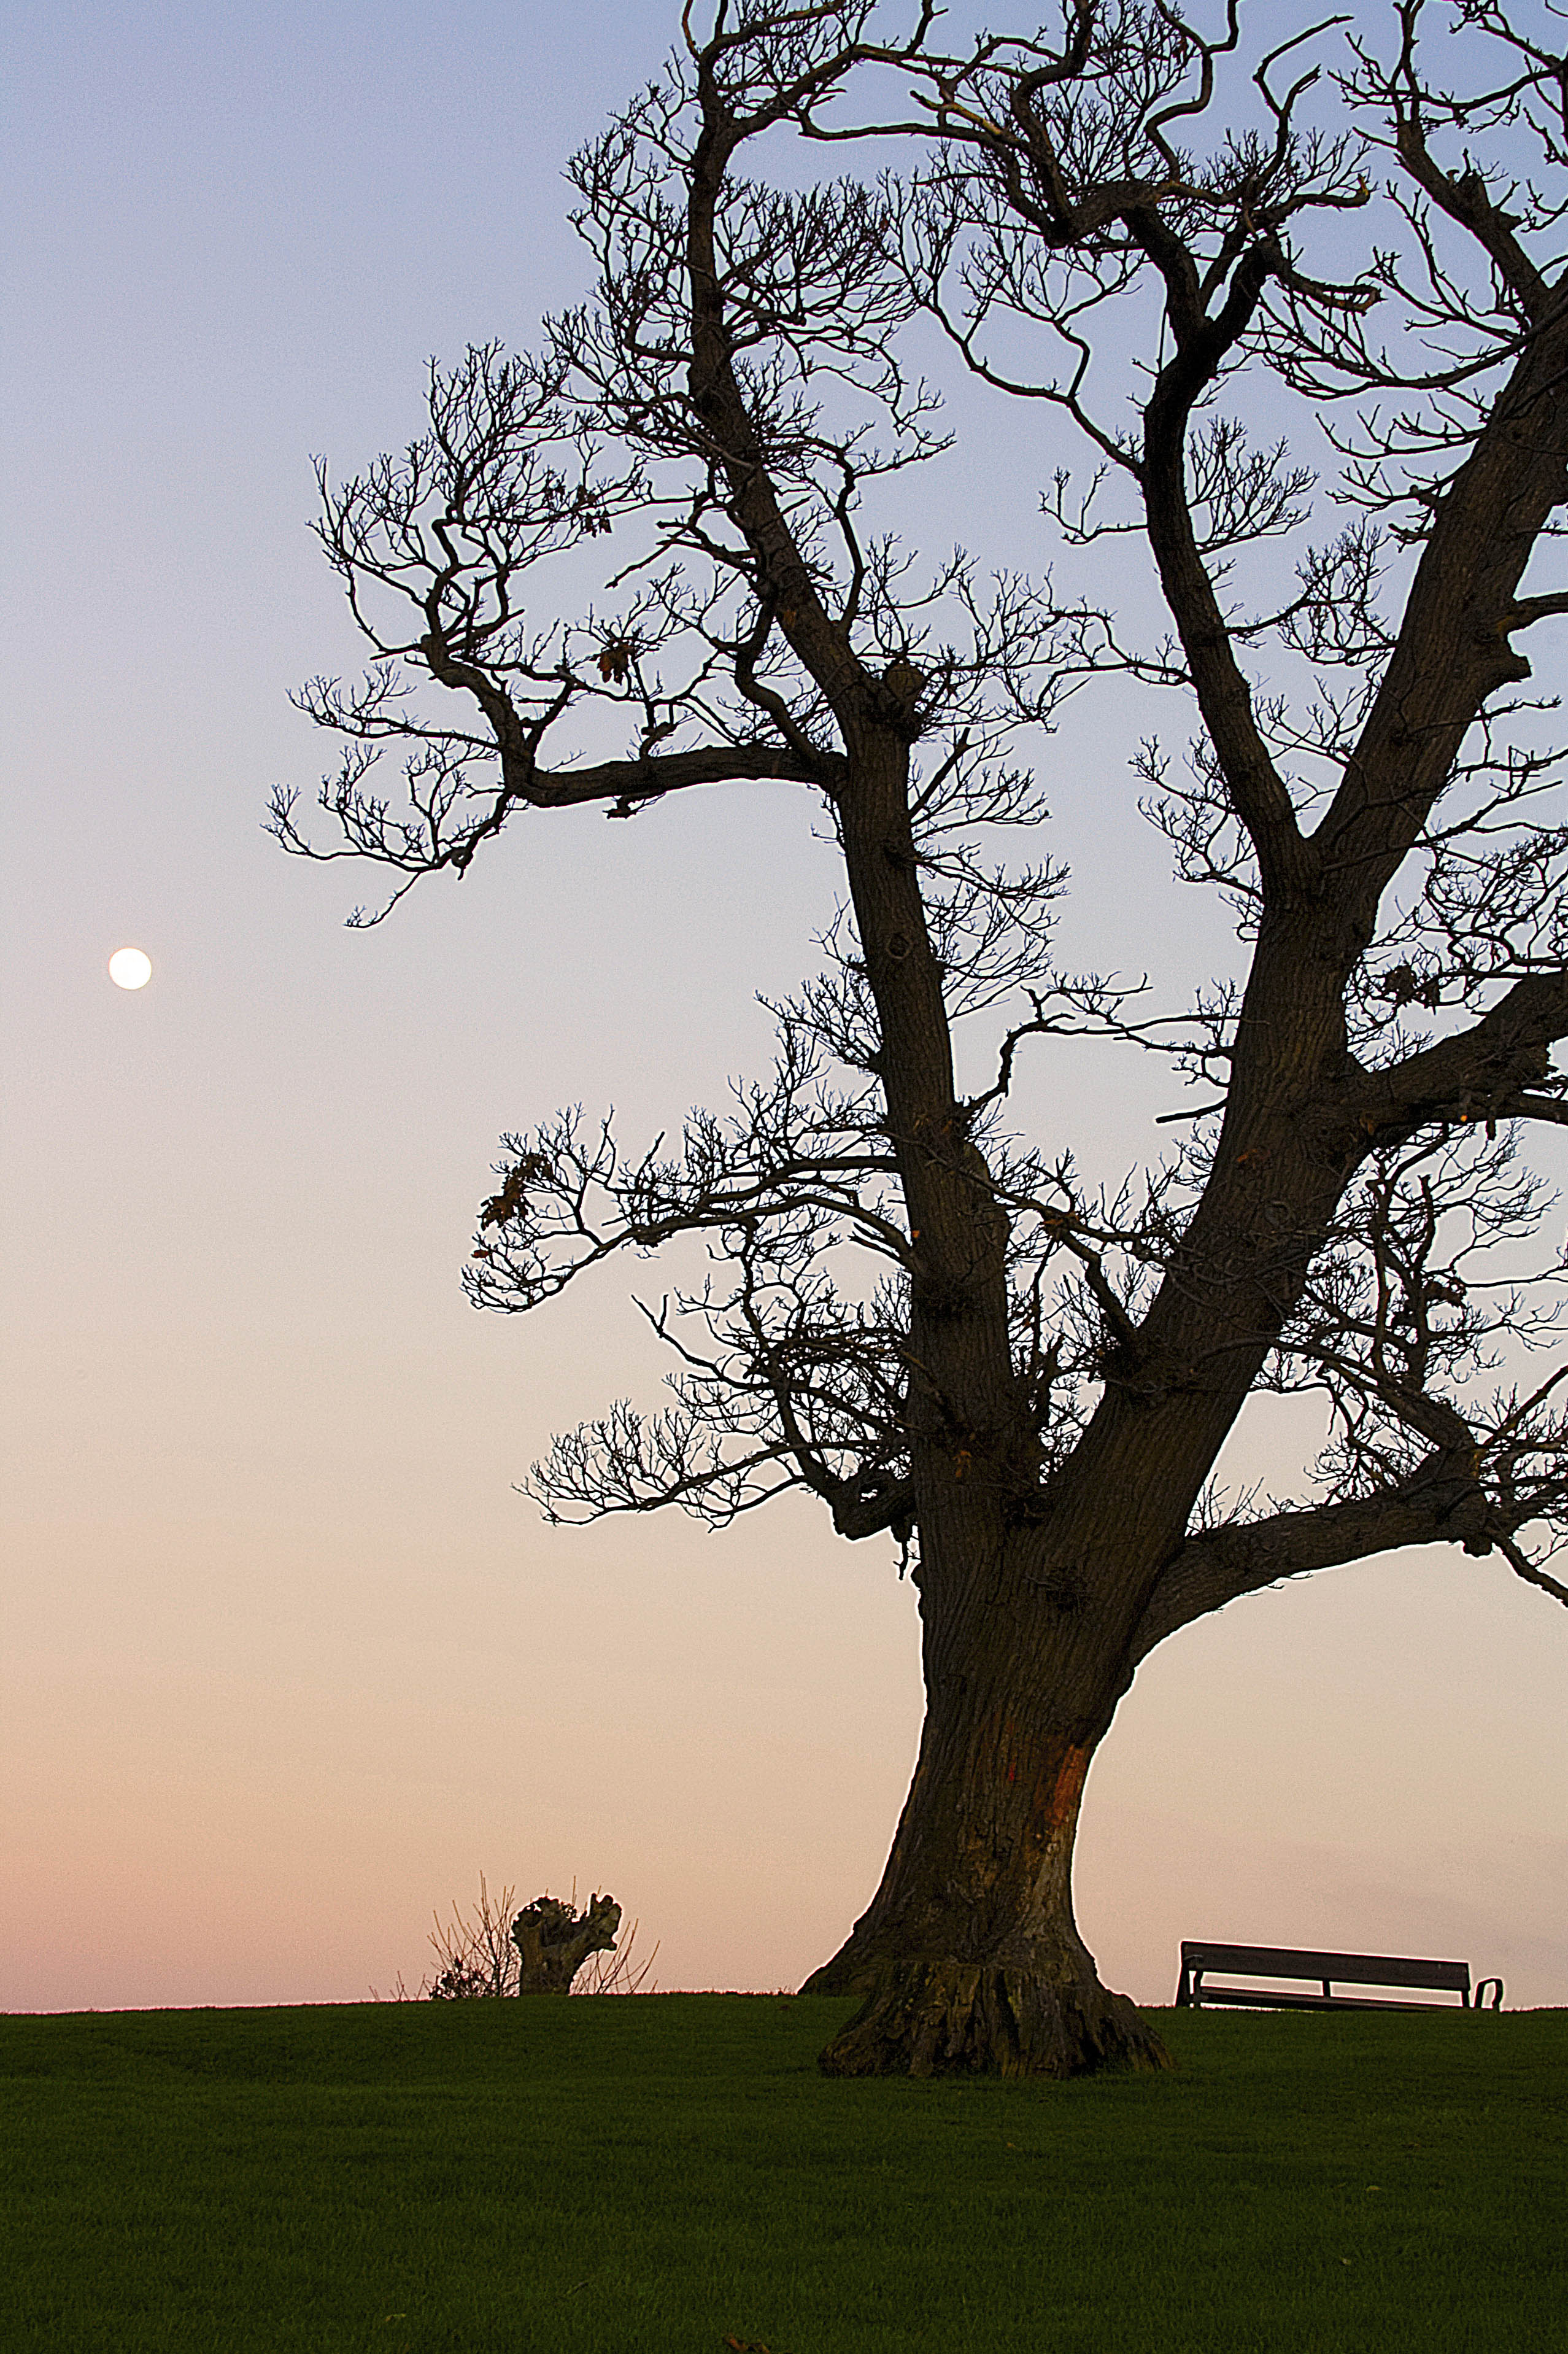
(1200, 1958)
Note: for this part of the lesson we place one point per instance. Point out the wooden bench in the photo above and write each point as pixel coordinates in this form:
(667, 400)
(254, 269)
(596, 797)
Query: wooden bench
(1330, 1970)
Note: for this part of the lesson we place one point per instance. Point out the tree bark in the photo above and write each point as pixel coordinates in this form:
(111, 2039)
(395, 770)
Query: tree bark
(968, 1958)
(554, 1942)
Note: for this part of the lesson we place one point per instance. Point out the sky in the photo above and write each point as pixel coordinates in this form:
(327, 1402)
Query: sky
(287, 1661)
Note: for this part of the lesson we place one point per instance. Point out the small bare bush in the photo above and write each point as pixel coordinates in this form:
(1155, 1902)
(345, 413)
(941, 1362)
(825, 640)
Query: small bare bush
(475, 1956)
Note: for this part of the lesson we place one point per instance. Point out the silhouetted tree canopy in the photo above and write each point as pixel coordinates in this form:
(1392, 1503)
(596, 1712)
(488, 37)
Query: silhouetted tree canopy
(1293, 322)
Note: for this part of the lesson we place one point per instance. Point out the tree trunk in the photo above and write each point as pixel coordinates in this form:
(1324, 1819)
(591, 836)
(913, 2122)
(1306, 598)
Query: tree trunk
(554, 1942)
(968, 1958)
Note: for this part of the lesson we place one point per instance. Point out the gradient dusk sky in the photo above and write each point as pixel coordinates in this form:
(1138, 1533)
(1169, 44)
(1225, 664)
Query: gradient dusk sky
(287, 1661)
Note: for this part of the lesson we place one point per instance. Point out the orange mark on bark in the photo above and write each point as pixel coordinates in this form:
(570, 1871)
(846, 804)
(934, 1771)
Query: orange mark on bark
(1061, 1792)
(1054, 1772)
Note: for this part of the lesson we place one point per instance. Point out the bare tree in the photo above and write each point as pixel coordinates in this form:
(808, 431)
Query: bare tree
(547, 1948)
(1032, 1389)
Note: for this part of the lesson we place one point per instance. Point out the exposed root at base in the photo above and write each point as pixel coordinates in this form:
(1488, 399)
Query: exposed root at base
(943, 2019)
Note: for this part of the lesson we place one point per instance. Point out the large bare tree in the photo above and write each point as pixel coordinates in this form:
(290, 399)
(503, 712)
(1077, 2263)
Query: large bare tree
(1031, 1385)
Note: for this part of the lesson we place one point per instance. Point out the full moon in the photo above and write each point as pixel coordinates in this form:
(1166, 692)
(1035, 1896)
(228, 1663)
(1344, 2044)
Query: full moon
(129, 969)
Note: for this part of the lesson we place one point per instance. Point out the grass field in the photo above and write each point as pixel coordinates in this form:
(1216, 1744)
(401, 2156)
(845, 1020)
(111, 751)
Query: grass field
(650, 2176)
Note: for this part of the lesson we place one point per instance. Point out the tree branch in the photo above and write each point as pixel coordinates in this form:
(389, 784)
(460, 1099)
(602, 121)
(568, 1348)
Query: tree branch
(1453, 651)
(1481, 1073)
(1440, 1504)
(1254, 786)
(628, 782)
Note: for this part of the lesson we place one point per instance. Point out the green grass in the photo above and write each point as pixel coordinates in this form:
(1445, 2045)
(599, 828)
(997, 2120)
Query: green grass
(645, 2176)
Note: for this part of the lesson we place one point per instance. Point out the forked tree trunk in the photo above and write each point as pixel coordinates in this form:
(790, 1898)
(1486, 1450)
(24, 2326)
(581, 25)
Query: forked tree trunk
(968, 1958)
(552, 1942)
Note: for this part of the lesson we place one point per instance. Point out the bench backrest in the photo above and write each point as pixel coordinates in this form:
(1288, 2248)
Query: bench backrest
(1348, 1969)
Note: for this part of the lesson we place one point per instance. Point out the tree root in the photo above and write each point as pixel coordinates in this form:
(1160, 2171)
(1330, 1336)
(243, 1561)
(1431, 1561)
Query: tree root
(942, 2019)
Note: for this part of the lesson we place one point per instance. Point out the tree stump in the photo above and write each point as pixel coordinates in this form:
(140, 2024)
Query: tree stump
(554, 1942)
